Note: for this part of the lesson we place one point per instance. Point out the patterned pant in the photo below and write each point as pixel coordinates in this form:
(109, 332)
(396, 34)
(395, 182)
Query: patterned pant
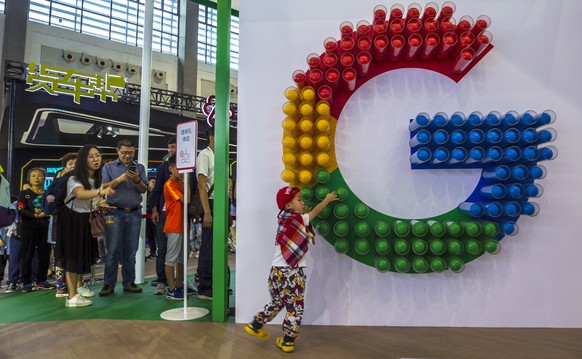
(287, 286)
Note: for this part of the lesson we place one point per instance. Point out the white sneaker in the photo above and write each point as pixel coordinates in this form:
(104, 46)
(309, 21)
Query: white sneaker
(204, 297)
(85, 291)
(160, 289)
(77, 301)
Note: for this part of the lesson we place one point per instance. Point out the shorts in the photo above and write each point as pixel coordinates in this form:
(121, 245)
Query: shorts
(175, 252)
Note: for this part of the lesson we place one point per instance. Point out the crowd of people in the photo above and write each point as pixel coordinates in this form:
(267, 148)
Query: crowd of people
(114, 189)
(117, 188)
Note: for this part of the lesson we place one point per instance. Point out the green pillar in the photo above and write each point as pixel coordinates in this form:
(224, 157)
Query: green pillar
(221, 137)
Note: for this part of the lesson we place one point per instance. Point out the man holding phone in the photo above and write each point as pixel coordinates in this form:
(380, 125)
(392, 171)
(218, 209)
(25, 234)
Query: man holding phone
(122, 237)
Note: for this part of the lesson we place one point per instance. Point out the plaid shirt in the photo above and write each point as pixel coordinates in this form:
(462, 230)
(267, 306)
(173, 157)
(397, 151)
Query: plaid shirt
(293, 237)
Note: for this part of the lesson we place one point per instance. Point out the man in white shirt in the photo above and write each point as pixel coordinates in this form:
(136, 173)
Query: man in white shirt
(205, 174)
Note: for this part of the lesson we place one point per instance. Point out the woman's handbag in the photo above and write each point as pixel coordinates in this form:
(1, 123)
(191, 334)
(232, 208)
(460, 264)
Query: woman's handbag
(97, 223)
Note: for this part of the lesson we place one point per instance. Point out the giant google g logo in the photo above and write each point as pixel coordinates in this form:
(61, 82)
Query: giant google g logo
(507, 147)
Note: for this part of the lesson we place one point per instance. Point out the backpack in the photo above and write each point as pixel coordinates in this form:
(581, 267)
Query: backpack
(195, 209)
(54, 196)
(7, 210)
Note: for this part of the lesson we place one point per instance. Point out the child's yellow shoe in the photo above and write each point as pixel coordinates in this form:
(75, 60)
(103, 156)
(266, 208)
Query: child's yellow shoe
(287, 347)
(259, 333)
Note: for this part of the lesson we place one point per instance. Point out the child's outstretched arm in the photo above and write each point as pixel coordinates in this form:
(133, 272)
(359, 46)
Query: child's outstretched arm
(330, 197)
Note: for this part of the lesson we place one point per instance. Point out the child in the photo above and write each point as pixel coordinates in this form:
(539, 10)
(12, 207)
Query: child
(34, 232)
(287, 280)
(174, 197)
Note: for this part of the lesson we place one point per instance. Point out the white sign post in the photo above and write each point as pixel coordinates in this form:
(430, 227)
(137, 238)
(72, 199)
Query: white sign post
(186, 145)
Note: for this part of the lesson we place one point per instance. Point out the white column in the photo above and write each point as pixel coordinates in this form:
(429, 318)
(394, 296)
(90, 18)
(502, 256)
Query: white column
(144, 123)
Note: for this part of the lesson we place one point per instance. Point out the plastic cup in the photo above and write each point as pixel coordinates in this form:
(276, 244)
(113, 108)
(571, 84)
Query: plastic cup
(362, 246)
(401, 228)
(363, 28)
(380, 12)
(313, 61)
(382, 264)
(332, 77)
(436, 228)
(420, 121)
(324, 93)
(395, 48)
(362, 229)
(463, 60)
(364, 43)
(430, 11)
(447, 25)
(458, 155)
(456, 264)
(447, 45)
(419, 265)
(447, 10)
(413, 11)
(330, 45)
(379, 48)
(437, 264)
(419, 246)
(396, 12)
(429, 46)
(342, 193)
(382, 229)
(401, 247)
(346, 28)
(323, 228)
(361, 210)
(341, 211)
(363, 63)
(347, 60)
(481, 42)
(455, 247)
(341, 229)
(396, 27)
(412, 48)
(437, 247)
(465, 23)
(413, 26)
(481, 24)
(316, 77)
(322, 176)
(421, 156)
(346, 44)
(380, 27)
(382, 246)
(402, 265)
(341, 246)
(349, 79)
(429, 26)
(299, 78)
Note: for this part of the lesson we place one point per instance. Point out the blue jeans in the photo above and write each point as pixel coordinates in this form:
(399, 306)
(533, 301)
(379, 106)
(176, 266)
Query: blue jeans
(162, 242)
(121, 242)
(14, 261)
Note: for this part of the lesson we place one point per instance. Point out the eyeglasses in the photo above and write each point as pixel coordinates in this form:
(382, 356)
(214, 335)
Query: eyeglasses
(127, 153)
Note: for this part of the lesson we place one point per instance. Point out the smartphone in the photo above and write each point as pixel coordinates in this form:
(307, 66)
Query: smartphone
(132, 167)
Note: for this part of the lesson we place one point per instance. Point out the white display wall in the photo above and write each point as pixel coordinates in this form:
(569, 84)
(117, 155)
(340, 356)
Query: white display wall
(533, 282)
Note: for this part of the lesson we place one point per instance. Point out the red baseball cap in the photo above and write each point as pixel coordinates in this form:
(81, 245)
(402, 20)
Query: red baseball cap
(285, 195)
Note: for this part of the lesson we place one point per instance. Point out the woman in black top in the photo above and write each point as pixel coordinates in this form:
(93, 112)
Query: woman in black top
(34, 231)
